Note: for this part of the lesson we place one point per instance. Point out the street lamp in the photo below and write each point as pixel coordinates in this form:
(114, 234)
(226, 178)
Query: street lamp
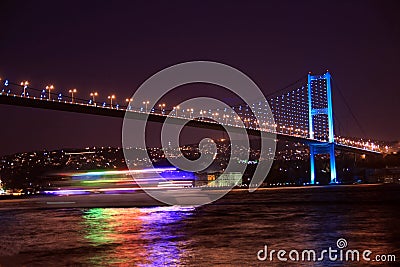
(72, 92)
(248, 122)
(162, 106)
(146, 103)
(128, 102)
(236, 118)
(191, 112)
(176, 110)
(49, 88)
(226, 118)
(215, 115)
(93, 95)
(256, 124)
(111, 97)
(25, 85)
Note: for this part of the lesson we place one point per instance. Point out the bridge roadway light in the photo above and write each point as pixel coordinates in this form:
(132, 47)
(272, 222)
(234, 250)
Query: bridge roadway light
(248, 122)
(264, 126)
(191, 112)
(25, 85)
(256, 122)
(72, 92)
(162, 107)
(128, 103)
(49, 88)
(93, 95)
(146, 103)
(176, 110)
(226, 118)
(111, 97)
(236, 119)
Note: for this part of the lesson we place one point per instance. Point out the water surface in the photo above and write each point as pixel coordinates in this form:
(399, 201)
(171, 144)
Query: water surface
(229, 232)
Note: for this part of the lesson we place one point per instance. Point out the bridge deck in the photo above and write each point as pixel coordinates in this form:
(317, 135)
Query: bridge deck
(15, 100)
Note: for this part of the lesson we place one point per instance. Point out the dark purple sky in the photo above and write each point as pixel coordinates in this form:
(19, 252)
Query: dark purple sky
(113, 48)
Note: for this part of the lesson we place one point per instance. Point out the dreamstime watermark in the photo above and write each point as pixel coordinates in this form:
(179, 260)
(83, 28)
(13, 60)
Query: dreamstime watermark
(340, 253)
(161, 83)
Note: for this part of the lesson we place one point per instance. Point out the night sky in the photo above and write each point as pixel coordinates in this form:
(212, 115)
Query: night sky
(113, 48)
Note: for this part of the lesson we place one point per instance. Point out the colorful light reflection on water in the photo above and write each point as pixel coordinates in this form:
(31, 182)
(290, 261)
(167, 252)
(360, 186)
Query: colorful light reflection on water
(137, 236)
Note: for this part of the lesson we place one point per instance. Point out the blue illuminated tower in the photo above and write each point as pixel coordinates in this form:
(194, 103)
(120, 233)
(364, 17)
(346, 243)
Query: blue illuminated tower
(320, 119)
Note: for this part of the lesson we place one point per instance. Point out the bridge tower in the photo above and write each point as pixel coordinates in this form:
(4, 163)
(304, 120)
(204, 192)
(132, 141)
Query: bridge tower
(320, 120)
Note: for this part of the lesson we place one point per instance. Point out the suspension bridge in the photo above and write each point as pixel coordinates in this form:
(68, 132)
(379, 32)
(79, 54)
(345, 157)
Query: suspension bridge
(303, 114)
